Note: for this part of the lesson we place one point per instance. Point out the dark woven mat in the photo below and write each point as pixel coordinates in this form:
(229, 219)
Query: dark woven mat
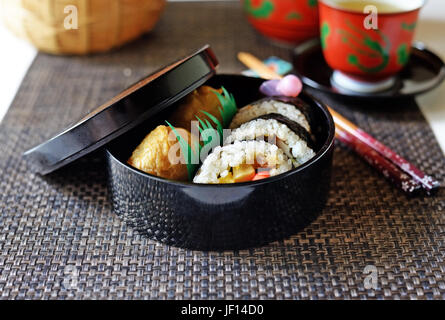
(60, 239)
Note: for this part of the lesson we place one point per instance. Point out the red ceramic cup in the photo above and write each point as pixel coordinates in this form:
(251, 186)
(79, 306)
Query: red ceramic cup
(366, 58)
(287, 21)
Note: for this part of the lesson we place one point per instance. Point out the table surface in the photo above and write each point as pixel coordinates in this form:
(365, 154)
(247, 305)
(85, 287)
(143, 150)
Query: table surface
(17, 56)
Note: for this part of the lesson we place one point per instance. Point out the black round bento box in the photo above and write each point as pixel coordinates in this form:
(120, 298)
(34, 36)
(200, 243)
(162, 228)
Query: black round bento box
(230, 216)
(195, 216)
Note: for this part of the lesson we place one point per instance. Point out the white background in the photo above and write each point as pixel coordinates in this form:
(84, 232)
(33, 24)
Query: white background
(16, 57)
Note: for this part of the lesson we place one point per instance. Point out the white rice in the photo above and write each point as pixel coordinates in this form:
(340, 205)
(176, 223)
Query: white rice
(218, 163)
(276, 132)
(260, 108)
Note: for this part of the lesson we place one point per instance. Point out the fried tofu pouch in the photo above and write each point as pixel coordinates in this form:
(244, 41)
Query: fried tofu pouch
(201, 99)
(152, 154)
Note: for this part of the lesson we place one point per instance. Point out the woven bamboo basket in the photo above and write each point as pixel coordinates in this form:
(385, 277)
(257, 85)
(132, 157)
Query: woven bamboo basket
(50, 25)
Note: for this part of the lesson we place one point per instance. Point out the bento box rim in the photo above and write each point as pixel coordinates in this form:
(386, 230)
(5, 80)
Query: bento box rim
(327, 145)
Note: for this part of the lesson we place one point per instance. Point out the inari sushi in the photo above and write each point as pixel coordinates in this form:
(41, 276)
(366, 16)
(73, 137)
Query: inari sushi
(156, 154)
(243, 161)
(202, 99)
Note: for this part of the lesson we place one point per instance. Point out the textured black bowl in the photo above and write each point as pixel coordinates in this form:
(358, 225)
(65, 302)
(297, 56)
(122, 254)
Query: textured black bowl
(217, 217)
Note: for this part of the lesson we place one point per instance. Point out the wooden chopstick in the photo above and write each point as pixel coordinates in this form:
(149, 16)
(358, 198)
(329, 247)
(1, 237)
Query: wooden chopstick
(376, 160)
(346, 130)
(426, 181)
(258, 66)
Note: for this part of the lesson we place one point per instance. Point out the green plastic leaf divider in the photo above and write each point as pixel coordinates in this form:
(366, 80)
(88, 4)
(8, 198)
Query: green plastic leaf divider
(227, 110)
(219, 127)
(203, 127)
(228, 106)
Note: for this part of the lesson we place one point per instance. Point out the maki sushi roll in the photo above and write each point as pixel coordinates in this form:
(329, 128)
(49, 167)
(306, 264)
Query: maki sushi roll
(243, 161)
(294, 109)
(282, 121)
(296, 143)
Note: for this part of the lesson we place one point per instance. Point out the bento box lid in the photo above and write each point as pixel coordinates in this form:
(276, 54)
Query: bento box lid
(125, 111)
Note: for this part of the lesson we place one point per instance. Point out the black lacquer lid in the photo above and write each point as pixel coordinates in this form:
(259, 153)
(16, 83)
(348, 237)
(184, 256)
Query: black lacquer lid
(126, 110)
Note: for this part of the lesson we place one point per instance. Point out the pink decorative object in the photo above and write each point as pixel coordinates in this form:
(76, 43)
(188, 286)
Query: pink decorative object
(290, 86)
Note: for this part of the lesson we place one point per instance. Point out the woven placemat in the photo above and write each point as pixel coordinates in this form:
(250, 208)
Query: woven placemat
(60, 239)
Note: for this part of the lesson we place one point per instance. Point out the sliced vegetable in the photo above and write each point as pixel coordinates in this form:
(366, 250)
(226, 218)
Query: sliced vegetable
(261, 175)
(243, 173)
(227, 179)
